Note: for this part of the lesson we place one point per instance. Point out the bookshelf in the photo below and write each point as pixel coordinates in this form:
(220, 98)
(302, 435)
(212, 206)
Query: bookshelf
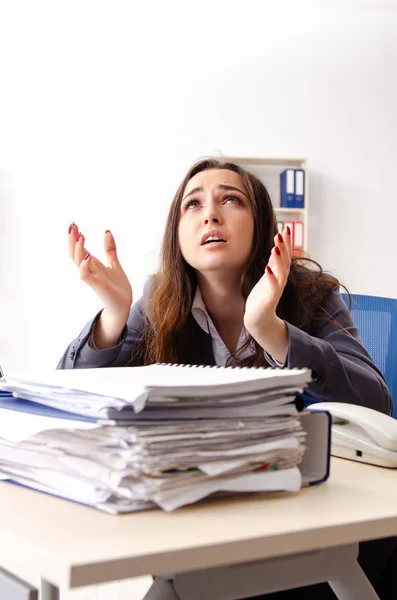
(268, 170)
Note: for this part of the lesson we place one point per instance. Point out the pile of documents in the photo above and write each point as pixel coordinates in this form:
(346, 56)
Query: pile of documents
(125, 439)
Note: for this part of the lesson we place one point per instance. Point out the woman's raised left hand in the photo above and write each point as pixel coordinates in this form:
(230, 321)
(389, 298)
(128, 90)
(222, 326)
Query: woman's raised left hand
(260, 318)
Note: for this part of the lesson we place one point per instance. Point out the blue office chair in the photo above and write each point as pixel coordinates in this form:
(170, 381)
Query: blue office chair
(376, 319)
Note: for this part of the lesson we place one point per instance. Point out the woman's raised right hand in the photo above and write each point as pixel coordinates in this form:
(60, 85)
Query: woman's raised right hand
(110, 283)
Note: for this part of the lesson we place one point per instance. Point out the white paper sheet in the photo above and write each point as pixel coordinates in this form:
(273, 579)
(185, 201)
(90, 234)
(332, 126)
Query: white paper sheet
(19, 426)
(285, 480)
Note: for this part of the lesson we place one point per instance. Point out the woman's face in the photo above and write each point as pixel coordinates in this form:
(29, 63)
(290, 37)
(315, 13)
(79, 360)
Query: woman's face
(216, 226)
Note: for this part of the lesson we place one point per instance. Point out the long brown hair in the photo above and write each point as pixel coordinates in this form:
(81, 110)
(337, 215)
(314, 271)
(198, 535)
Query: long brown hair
(168, 332)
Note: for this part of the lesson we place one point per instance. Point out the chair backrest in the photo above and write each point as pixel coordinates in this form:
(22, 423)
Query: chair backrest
(376, 319)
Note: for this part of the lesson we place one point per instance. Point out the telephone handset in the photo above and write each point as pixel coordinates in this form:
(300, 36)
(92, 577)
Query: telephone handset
(361, 433)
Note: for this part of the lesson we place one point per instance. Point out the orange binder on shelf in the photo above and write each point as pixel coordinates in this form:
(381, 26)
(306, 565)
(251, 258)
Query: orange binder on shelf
(297, 233)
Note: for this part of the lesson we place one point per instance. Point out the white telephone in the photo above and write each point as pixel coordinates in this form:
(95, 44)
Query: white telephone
(361, 434)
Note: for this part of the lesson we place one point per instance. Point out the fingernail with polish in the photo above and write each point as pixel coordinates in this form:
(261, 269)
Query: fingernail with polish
(280, 238)
(87, 256)
(268, 269)
(288, 230)
(277, 249)
(78, 237)
(107, 231)
(71, 227)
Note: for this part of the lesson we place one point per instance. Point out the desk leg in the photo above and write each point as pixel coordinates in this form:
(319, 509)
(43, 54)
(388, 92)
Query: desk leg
(48, 591)
(338, 566)
(13, 588)
(161, 589)
(353, 584)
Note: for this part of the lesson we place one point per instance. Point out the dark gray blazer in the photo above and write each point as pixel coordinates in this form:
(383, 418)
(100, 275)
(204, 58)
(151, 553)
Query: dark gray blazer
(341, 367)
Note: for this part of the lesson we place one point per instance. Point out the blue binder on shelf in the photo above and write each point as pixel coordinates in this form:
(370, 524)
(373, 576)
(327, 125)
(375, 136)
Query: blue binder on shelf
(299, 185)
(287, 188)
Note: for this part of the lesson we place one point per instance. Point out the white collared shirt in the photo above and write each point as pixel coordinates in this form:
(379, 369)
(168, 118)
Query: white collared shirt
(221, 353)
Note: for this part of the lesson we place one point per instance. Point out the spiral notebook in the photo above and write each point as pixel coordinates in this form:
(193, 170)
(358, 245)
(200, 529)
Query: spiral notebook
(125, 392)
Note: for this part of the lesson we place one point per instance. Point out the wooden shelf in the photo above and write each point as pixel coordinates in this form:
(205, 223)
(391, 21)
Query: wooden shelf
(298, 163)
(287, 211)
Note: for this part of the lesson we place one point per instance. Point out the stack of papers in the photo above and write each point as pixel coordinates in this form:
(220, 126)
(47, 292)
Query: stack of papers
(138, 437)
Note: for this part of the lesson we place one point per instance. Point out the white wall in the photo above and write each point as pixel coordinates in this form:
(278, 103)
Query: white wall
(103, 105)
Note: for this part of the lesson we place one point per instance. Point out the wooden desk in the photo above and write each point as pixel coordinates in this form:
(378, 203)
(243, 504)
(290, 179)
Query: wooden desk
(68, 545)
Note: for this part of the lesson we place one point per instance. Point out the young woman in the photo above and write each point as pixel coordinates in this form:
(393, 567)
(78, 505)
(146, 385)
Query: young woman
(228, 291)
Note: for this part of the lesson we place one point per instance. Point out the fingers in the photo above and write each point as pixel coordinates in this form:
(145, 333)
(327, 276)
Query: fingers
(287, 237)
(77, 250)
(280, 257)
(283, 242)
(73, 233)
(110, 249)
(274, 287)
(85, 265)
(93, 273)
(278, 265)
